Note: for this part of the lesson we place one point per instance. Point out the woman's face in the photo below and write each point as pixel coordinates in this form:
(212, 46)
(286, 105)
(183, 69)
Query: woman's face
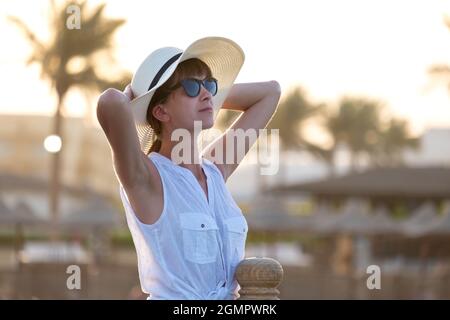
(184, 110)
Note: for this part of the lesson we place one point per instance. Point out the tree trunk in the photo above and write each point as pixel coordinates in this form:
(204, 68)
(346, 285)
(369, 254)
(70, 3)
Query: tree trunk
(282, 170)
(331, 170)
(353, 161)
(330, 164)
(261, 180)
(55, 174)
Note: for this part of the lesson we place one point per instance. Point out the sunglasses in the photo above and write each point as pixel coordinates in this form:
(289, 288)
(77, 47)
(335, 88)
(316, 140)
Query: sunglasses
(192, 86)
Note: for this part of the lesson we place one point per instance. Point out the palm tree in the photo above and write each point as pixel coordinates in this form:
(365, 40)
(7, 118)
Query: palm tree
(294, 110)
(356, 124)
(324, 154)
(69, 60)
(393, 140)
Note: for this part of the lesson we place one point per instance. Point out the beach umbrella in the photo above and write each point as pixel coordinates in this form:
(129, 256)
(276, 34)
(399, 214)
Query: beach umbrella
(16, 218)
(269, 215)
(382, 223)
(439, 224)
(6, 214)
(416, 225)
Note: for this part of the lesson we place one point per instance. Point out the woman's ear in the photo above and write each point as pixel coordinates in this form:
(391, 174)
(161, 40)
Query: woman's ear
(160, 113)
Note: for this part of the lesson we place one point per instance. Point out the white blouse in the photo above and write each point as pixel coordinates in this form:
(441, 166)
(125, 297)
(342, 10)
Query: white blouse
(192, 250)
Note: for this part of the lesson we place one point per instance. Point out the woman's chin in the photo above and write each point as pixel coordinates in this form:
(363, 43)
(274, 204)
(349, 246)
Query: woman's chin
(207, 123)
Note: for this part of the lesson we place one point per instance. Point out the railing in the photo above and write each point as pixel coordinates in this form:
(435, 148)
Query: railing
(259, 278)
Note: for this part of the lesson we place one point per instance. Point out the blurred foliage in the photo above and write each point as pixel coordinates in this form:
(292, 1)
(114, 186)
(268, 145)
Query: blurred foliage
(121, 238)
(357, 124)
(72, 57)
(399, 211)
(392, 140)
(9, 238)
(225, 119)
(293, 110)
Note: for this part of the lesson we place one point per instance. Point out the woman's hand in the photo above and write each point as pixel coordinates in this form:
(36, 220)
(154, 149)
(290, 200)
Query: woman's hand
(113, 96)
(128, 93)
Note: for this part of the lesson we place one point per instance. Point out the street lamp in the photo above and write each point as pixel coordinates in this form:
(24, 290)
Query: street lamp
(53, 145)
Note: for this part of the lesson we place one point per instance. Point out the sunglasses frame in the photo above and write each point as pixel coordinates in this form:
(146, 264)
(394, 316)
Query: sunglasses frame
(200, 84)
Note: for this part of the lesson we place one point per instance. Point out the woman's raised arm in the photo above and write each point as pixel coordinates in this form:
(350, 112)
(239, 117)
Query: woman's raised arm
(116, 119)
(258, 102)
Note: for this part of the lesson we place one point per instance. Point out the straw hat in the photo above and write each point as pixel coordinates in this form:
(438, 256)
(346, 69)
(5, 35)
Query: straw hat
(223, 56)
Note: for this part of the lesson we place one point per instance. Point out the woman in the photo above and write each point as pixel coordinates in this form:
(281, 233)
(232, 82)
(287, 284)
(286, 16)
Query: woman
(188, 231)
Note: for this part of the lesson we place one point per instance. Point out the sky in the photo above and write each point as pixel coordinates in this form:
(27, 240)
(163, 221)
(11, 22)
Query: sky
(377, 49)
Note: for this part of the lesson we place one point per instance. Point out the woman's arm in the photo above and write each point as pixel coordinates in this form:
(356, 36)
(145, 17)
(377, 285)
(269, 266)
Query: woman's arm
(244, 95)
(116, 120)
(258, 101)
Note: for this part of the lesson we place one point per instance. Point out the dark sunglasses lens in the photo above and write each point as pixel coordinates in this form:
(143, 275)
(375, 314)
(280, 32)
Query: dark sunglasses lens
(191, 87)
(211, 86)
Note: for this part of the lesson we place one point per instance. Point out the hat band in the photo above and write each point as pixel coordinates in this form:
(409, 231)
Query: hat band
(163, 69)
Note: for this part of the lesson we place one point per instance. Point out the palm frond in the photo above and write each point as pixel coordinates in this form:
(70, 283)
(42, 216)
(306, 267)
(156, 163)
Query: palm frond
(37, 45)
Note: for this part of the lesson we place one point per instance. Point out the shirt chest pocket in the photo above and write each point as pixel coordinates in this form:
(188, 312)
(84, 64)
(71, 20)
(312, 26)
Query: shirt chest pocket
(237, 232)
(199, 233)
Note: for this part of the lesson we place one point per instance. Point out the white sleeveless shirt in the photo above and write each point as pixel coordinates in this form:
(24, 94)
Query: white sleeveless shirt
(192, 250)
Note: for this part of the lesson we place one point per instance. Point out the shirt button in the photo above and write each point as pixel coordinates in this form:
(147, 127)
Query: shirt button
(202, 225)
(243, 230)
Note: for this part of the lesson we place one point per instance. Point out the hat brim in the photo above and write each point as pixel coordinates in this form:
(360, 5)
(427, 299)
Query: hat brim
(223, 56)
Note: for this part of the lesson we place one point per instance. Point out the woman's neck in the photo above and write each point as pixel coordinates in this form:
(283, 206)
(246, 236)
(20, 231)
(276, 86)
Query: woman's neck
(184, 154)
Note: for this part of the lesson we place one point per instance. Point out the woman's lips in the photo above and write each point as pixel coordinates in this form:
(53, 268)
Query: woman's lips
(209, 109)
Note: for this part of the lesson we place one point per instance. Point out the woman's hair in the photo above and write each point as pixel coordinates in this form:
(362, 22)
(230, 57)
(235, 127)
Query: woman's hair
(187, 68)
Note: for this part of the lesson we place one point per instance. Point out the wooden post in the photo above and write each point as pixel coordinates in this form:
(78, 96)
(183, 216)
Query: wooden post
(259, 278)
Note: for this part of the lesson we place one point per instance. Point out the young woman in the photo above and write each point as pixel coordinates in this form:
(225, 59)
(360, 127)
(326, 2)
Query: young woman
(188, 231)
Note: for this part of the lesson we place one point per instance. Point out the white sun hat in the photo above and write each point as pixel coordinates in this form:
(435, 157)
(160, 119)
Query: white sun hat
(223, 56)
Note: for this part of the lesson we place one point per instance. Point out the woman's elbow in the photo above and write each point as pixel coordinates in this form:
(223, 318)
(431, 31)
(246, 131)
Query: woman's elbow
(275, 88)
(274, 93)
(106, 101)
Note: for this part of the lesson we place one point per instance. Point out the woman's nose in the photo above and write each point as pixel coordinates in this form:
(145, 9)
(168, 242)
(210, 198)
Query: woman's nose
(205, 94)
